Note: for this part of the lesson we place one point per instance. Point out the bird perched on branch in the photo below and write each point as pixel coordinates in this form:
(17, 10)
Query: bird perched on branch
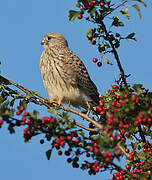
(64, 75)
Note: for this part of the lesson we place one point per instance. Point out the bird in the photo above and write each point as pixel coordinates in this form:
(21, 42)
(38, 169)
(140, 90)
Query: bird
(64, 75)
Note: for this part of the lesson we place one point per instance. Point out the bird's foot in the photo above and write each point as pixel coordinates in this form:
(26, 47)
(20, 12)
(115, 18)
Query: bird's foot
(59, 101)
(51, 101)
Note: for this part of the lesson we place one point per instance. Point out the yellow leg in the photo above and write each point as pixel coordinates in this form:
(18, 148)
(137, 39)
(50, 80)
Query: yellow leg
(59, 101)
(51, 100)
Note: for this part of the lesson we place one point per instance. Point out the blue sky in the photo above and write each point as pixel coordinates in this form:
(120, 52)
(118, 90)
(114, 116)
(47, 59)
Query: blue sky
(23, 24)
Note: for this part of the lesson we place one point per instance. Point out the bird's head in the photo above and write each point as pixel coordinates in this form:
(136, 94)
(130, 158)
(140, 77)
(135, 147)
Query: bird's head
(53, 39)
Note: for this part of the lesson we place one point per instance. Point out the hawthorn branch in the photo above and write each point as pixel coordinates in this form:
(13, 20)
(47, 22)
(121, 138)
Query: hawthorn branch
(86, 128)
(43, 101)
(118, 6)
(141, 134)
(122, 149)
(123, 76)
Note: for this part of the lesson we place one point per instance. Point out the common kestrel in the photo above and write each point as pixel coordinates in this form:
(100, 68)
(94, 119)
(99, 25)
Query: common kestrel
(64, 75)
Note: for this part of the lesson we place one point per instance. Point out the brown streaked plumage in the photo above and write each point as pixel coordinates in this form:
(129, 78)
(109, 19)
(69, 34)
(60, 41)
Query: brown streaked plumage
(64, 75)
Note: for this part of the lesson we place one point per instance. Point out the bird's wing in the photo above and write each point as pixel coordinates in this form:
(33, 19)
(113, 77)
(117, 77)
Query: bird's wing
(79, 75)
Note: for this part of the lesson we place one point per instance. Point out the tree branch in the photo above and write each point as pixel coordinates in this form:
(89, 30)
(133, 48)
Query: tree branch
(45, 102)
(115, 55)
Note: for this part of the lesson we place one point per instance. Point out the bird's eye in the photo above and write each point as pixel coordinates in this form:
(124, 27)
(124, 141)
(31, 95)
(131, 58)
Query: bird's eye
(49, 38)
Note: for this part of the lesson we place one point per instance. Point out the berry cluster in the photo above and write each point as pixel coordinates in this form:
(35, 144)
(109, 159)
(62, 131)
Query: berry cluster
(119, 111)
(89, 5)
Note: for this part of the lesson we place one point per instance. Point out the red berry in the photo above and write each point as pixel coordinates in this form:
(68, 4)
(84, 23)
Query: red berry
(62, 143)
(1, 122)
(100, 96)
(94, 2)
(107, 159)
(95, 60)
(21, 108)
(131, 157)
(88, 165)
(101, 104)
(26, 130)
(29, 121)
(69, 138)
(67, 153)
(18, 113)
(127, 150)
(115, 87)
(96, 169)
(91, 148)
(84, 7)
(127, 167)
(52, 120)
(69, 160)
(113, 103)
(93, 42)
(96, 163)
(25, 114)
(96, 150)
(99, 64)
(136, 123)
(88, 155)
(62, 138)
(144, 126)
(57, 141)
(80, 16)
(127, 134)
(59, 153)
(102, 4)
(117, 35)
(77, 140)
(23, 118)
(118, 153)
(56, 145)
(100, 165)
(90, 4)
(42, 141)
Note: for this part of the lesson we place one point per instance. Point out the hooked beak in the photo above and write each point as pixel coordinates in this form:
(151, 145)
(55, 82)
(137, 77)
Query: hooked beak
(42, 42)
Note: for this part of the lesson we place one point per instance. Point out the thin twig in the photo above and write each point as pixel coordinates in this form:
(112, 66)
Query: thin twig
(119, 5)
(115, 55)
(141, 134)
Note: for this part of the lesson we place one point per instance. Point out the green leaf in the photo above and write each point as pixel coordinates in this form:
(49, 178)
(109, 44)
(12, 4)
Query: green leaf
(92, 11)
(143, 2)
(78, 4)
(116, 22)
(48, 154)
(35, 114)
(137, 87)
(100, 142)
(53, 110)
(12, 102)
(73, 15)
(90, 32)
(80, 132)
(138, 10)
(101, 47)
(24, 104)
(5, 104)
(107, 61)
(121, 24)
(125, 13)
(131, 36)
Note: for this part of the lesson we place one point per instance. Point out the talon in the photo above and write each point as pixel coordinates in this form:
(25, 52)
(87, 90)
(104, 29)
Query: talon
(59, 101)
(51, 100)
